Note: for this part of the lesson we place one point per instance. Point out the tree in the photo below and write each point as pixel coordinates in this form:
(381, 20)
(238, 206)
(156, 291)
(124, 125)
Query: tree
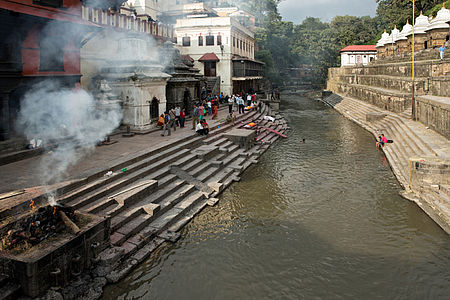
(396, 12)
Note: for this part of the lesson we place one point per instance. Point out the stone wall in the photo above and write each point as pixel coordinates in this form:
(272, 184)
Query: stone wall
(434, 114)
(388, 85)
(395, 102)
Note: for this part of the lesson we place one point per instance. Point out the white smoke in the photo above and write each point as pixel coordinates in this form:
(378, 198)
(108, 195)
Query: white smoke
(69, 122)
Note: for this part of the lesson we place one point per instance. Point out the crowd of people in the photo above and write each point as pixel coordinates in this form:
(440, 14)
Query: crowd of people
(208, 106)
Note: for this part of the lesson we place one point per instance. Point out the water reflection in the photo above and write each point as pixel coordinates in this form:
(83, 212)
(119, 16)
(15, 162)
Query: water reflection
(316, 220)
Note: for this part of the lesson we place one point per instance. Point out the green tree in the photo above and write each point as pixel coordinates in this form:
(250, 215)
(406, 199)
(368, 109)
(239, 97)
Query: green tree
(396, 12)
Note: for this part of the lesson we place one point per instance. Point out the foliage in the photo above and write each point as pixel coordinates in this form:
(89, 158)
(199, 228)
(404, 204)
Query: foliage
(284, 45)
(397, 12)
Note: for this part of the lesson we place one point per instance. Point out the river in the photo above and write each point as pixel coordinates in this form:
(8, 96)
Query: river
(319, 220)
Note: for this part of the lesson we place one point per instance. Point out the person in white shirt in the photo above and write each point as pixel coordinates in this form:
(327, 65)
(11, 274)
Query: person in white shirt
(249, 100)
(241, 105)
(177, 114)
(230, 104)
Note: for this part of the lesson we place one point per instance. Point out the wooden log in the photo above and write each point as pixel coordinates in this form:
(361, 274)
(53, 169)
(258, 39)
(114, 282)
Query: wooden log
(68, 222)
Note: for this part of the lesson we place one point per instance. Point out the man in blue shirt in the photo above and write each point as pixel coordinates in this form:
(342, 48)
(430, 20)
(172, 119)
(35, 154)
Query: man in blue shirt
(441, 51)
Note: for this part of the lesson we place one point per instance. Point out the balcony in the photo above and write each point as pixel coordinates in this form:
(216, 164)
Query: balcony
(245, 69)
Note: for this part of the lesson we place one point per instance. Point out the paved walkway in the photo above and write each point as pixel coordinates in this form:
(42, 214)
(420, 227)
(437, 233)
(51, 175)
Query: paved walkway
(26, 173)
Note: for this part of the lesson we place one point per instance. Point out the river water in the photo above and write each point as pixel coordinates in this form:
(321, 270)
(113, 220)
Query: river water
(320, 220)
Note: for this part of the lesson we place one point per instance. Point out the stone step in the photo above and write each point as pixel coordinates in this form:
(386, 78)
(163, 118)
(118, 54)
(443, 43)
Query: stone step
(173, 199)
(124, 216)
(222, 176)
(208, 173)
(420, 144)
(188, 216)
(402, 133)
(220, 142)
(234, 155)
(126, 197)
(232, 148)
(148, 235)
(163, 176)
(199, 169)
(131, 237)
(129, 229)
(193, 165)
(143, 171)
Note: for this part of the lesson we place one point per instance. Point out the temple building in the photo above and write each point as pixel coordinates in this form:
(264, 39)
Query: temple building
(358, 55)
(429, 34)
(439, 30)
(402, 41)
(223, 49)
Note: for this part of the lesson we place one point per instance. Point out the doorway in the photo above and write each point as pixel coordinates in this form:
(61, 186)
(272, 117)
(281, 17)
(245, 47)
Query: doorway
(210, 68)
(154, 109)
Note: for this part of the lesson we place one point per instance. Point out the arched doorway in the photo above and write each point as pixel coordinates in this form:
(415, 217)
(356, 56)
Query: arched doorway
(154, 109)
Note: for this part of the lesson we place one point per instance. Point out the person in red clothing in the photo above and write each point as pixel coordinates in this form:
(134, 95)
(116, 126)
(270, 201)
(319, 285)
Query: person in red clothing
(215, 111)
(182, 118)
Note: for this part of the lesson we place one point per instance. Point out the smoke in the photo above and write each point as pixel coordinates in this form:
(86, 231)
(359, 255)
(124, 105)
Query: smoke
(70, 122)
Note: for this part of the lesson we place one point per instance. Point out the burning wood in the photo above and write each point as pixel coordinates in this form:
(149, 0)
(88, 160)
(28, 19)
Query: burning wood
(45, 223)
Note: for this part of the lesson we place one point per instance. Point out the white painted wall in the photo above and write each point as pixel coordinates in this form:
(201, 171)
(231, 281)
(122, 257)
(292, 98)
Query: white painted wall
(228, 28)
(354, 58)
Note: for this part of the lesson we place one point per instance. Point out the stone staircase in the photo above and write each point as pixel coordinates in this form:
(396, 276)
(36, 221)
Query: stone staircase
(388, 84)
(411, 140)
(213, 85)
(149, 198)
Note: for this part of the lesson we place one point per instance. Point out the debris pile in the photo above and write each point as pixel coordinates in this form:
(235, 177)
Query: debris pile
(44, 223)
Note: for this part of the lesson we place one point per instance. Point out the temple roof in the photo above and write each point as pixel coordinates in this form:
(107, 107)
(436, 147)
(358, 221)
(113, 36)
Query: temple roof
(405, 31)
(441, 20)
(359, 48)
(421, 25)
(384, 39)
(209, 57)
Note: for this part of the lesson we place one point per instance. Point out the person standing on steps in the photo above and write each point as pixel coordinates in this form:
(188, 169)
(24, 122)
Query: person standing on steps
(230, 104)
(166, 124)
(249, 100)
(201, 112)
(182, 118)
(172, 122)
(441, 52)
(240, 102)
(177, 114)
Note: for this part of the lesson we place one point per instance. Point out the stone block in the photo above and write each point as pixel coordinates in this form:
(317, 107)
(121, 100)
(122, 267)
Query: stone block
(206, 152)
(242, 137)
(374, 116)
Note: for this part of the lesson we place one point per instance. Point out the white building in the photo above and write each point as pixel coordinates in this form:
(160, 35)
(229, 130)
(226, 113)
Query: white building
(221, 46)
(358, 54)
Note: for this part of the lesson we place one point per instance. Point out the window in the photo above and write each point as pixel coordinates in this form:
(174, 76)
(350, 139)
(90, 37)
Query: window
(242, 45)
(234, 42)
(200, 41)
(219, 40)
(186, 41)
(209, 40)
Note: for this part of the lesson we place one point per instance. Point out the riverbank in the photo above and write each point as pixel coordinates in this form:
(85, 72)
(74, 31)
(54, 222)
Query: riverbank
(308, 215)
(419, 157)
(147, 196)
